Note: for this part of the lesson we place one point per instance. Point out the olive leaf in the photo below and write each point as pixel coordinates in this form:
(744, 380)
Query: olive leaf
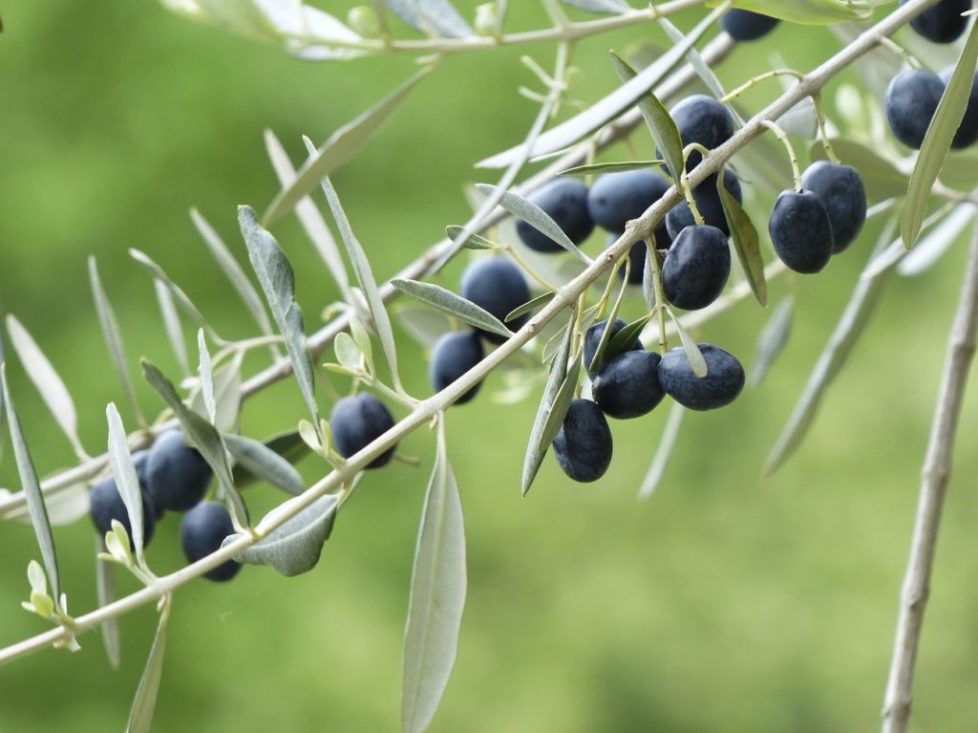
(337, 150)
(772, 340)
(144, 702)
(438, 587)
(667, 442)
(277, 280)
(937, 140)
(126, 480)
(105, 586)
(365, 277)
(536, 217)
(611, 167)
(530, 306)
(435, 17)
(473, 241)
(64, 507)
(296, 546)
(847, 332)
(931, 248)
(607, 7)
(264, 463)
(537, 446)
(693, 354)
(623, 340)
(171, 324)
(289, 446)
(49, 385)
(204, 437)
(424, 325)
(233, 271)
(746, 242)
(562, 401)
(657, 119)
(32, 490)
(448, 302)
(206, 374)
(113, 338)
(309, 216)
(227, 395)
(809, 12)
(605, 110)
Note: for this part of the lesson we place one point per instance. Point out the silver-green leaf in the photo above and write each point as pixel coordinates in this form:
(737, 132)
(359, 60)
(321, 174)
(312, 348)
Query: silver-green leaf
(202, 435)
(435, 17)
(113, 337)
(296, 546)
(32, 490)
(278, 283)
(746, 242)
(337, 150)
(438, 586)
(937, 141)
(126, 480)
(49, 385)
(774, 337)
(657, 119)
(264, 463)
(448, 302)
(667, 442)
(144, 702)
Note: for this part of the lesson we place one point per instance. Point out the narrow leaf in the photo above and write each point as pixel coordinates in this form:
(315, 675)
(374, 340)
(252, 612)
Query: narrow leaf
(530, 306)
(365, 277)
(126, 480)
(144, 703)
(179, 296)
(607, 109)
(810, 12)
(206, 374)
(537, 446)
(289, 446)
(296, 546)
(616, 167)
(348, 354)
(448, 302)
(278, 283)
(774, 337)
(561, 404)
(607, 7)
(435, 17)
(847, 332)
(424, 325)
(171, 324)
(46, 380)
(623, 340)
(64, 507)
(438, 586)
(657, 118)
(227, 395)
(264, 463)
(310, 218)
(233, 271)
(931, 248)
(696, 361)
(32, 490)
(661, 459)
(937, 141)
(202, 435)
(337, 150)
(474, 241)
(105, 586)
(536, 217)
(113, 338)
(746, 242)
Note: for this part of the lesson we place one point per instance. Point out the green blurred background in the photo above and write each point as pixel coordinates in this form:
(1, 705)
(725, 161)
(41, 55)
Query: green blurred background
(726, 603)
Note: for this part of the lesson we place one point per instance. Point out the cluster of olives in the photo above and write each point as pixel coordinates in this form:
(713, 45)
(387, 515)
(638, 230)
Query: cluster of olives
(632, 384)
(172, 477)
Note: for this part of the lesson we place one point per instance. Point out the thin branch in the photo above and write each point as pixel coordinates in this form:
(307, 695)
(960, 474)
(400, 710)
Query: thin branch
(933, 486)
(640, 229)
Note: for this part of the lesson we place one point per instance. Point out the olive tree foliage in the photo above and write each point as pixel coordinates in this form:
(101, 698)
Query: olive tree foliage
(925, 200)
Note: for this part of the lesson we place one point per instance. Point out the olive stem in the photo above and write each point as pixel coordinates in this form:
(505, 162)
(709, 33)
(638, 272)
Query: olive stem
(780, 134)
(751, 83)
(660, 298)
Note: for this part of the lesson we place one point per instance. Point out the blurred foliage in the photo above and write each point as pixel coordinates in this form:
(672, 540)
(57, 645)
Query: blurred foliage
(726, 603)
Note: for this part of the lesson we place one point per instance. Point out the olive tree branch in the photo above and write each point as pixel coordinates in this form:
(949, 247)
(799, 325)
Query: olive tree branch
(565, 297)
(317, 342)
(933, 486)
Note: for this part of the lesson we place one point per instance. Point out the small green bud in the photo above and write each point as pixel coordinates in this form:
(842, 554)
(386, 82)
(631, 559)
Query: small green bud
(364, 21)
(486, 19)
